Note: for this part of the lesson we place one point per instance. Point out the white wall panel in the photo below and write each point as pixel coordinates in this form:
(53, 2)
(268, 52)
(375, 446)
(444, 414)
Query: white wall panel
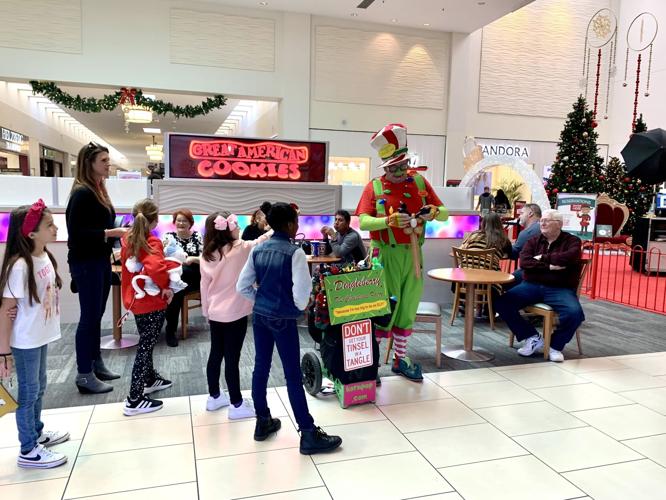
(221, 40)
(532, 59)
(48, 25)
(380, 68)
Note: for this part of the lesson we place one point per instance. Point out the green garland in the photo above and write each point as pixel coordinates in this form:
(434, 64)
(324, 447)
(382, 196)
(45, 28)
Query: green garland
(111, 101)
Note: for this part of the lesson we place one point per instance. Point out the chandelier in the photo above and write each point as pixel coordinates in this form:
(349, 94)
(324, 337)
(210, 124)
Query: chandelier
(136, 114)
(154, 152)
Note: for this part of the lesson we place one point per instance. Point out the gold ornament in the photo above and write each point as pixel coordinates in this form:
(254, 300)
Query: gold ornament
(601, 25)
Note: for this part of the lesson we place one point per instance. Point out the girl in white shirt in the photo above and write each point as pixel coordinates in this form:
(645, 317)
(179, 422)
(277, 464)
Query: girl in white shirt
(30, 285)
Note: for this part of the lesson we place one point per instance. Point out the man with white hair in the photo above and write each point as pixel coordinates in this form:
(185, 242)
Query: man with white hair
(551, 269)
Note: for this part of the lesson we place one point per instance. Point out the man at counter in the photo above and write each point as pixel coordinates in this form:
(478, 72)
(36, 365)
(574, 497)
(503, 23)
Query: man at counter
(393, 207)
(342, 240)
(551, 270)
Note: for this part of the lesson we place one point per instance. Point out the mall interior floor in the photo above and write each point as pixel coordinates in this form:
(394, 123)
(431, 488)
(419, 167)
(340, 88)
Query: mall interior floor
(610, 330)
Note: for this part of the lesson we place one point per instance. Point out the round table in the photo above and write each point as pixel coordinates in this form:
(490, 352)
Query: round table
(470, 278)
(116, 340)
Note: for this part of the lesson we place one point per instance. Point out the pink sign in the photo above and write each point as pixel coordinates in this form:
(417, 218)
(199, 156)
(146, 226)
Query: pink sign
(357, 344)
(359, 393)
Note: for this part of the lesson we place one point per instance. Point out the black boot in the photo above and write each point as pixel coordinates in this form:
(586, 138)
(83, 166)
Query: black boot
(102, 372)
(317, 441)
(265, 427)
(171, 339)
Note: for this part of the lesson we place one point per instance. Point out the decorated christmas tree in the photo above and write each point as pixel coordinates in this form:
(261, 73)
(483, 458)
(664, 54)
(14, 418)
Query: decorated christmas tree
(614, 174)
(577, 167)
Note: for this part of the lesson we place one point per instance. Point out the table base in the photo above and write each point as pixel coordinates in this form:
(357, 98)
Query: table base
(108, 342)
(458, 352)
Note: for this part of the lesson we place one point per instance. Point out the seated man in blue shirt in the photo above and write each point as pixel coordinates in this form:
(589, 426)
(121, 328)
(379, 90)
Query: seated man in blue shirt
(344, 241)
(529, 220)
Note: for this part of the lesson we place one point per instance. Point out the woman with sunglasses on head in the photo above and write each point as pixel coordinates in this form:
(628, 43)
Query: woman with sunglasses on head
(90, 225)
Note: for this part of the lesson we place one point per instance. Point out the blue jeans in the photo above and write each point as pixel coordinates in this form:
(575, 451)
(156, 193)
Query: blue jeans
(31, 374)
(282, 333)
(93, 280)
(563, 301)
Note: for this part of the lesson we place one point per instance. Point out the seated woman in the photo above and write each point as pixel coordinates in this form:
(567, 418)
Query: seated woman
(258, 225)
(490, 235)
(192, 243)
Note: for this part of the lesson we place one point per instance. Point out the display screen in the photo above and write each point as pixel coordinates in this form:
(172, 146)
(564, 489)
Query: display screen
(236, 158)
(456, 226)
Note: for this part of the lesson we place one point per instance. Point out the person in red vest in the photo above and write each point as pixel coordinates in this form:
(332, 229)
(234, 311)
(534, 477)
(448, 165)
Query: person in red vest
(395, 208)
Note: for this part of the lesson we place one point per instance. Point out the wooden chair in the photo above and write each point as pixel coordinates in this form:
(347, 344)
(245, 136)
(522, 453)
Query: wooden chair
(474, 259)
(428, 312)
(550, 316)
(185, 311)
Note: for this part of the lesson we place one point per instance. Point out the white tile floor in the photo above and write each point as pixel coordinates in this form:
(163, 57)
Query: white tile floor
(590, 428)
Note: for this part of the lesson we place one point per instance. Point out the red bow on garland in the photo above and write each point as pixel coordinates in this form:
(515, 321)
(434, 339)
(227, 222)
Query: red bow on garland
(125, 94)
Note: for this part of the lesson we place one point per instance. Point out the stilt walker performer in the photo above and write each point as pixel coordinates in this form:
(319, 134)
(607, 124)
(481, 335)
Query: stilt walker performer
(395, 208)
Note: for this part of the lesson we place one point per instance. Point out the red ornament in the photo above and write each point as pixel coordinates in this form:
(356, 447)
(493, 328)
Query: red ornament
(555, 191)
(601, 177)
(627, 179)
(594, 124)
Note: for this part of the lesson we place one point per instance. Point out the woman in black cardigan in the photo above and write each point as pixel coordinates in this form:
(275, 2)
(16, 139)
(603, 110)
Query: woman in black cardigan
(90, 224)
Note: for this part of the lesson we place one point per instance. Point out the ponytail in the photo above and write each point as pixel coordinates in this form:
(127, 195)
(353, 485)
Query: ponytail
(145, 212)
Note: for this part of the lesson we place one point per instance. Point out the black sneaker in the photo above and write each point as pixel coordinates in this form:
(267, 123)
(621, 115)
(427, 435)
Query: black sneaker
(266, 426)
(141, 405)
(157, 385)
(317, 441)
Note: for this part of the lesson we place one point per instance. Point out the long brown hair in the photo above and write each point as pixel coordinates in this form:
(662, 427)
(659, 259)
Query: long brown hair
(214, 239)
(21, 247)
(491, 225)
(84, 173)
(145, 212)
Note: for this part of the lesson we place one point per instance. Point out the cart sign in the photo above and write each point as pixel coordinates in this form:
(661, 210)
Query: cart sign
(235, 158)
(357, 344)
(354, 296)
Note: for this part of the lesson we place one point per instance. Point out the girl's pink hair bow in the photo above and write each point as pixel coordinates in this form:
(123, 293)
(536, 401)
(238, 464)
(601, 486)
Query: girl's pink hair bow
(222, 223)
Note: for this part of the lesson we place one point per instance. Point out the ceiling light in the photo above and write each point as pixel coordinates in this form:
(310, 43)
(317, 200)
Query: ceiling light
(426, 24)
(354, 14)
(480, 3)
(394, 20)
(149, 130)
(263, 4)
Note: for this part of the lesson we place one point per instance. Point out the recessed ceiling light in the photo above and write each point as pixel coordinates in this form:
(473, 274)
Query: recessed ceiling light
(426, 24)
(263, 4)
(394, 20)
(149, 130)
(354, 14)
(480, 3)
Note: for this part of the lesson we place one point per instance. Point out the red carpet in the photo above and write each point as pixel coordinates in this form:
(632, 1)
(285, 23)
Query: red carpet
(618, 282)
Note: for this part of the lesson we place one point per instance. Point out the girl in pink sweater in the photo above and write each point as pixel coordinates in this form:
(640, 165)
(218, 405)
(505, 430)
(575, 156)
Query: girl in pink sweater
(224, 255)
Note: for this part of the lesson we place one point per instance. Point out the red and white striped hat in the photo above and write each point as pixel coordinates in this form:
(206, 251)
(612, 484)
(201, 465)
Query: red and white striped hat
(391, 144)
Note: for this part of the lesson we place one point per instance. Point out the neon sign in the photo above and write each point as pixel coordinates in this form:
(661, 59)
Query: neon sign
(211, 157)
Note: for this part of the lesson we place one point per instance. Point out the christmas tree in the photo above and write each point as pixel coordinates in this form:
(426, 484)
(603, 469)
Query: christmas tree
(577, 167)
(613, 179)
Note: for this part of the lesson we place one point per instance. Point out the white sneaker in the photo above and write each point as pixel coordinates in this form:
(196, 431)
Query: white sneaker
(41, 458)
(555, 355)
(245, 410)
(531, 345)
(51, 438)
(213, 404)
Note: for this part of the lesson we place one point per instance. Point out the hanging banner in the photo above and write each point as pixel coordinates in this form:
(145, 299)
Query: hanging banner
(358, 295)
(357, 344)
(579, 213)
(239, 158)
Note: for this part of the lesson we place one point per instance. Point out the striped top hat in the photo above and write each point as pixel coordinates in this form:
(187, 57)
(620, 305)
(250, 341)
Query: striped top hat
(391, 144)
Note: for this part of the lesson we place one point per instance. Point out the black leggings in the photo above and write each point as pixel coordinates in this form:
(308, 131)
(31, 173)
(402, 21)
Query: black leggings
(226, 341)
(149, 326)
